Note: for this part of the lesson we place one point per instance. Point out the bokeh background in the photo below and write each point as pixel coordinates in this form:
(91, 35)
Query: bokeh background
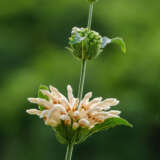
(33, 36)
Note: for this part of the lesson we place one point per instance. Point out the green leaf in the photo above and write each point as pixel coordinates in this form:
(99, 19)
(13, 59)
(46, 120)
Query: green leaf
(64, 133)
(117, 40)
(107, 124)
(40, 94)
(82, 135)
(60, 139)
(69, 49)
(61, 134)
(120, 42)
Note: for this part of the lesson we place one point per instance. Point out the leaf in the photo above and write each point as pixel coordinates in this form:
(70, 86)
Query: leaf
(60, 134)
(77, 39)
(117, 40)
(120, 42)
(107, 124)
(60, 139)
(69, 49)
(40, 94)
(82, 135)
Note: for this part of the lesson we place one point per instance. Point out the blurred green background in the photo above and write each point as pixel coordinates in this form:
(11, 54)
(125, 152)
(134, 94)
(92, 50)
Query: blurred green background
(33, 36)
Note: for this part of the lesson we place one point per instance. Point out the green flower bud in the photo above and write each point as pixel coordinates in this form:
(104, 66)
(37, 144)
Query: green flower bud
(85, 44)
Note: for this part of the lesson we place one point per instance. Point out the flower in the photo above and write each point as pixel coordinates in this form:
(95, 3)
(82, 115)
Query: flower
(84, 114)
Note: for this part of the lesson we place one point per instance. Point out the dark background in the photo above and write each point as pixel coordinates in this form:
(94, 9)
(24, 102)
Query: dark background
(33, 36)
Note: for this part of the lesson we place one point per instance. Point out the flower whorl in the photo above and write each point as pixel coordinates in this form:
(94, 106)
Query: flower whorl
(85, 114)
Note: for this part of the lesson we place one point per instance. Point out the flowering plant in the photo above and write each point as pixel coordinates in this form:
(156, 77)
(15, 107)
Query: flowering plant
(72, 118)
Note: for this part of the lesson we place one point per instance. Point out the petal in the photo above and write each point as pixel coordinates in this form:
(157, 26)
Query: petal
(48, 94)
(34, 112)
(100, 114)
(100, 119)
(56, 111)
(52, 123)
(114, 112)
(109, 102)
(70, 94)
(66, 104)
(75, 105)
(75, 125)
(66, 119)
(44, 113)
(56, 92)
(41, 102)
(105, 41)
(94, 102)
(94, 109)
(76, 115)
(83, 122)
(86, 98)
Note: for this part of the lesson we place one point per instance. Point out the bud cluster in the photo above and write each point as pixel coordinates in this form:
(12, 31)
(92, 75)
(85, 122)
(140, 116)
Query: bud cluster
(85, 43)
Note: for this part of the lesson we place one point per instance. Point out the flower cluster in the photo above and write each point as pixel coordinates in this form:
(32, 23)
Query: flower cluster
(84, 114)
(85, 43)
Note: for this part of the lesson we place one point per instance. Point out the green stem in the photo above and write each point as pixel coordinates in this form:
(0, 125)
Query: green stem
(69, 151)
(90, 16)
(84, 62)
(82, 78)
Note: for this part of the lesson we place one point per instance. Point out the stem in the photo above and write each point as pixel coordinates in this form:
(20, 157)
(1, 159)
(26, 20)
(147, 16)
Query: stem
(83, 67)
(90, 16)
(82, 78)
(69, 151)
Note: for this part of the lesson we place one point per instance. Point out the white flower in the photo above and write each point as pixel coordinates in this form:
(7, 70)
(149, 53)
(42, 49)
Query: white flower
(86, 113)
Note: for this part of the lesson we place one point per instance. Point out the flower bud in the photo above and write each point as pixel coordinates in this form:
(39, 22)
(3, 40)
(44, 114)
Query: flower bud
(85, 44)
